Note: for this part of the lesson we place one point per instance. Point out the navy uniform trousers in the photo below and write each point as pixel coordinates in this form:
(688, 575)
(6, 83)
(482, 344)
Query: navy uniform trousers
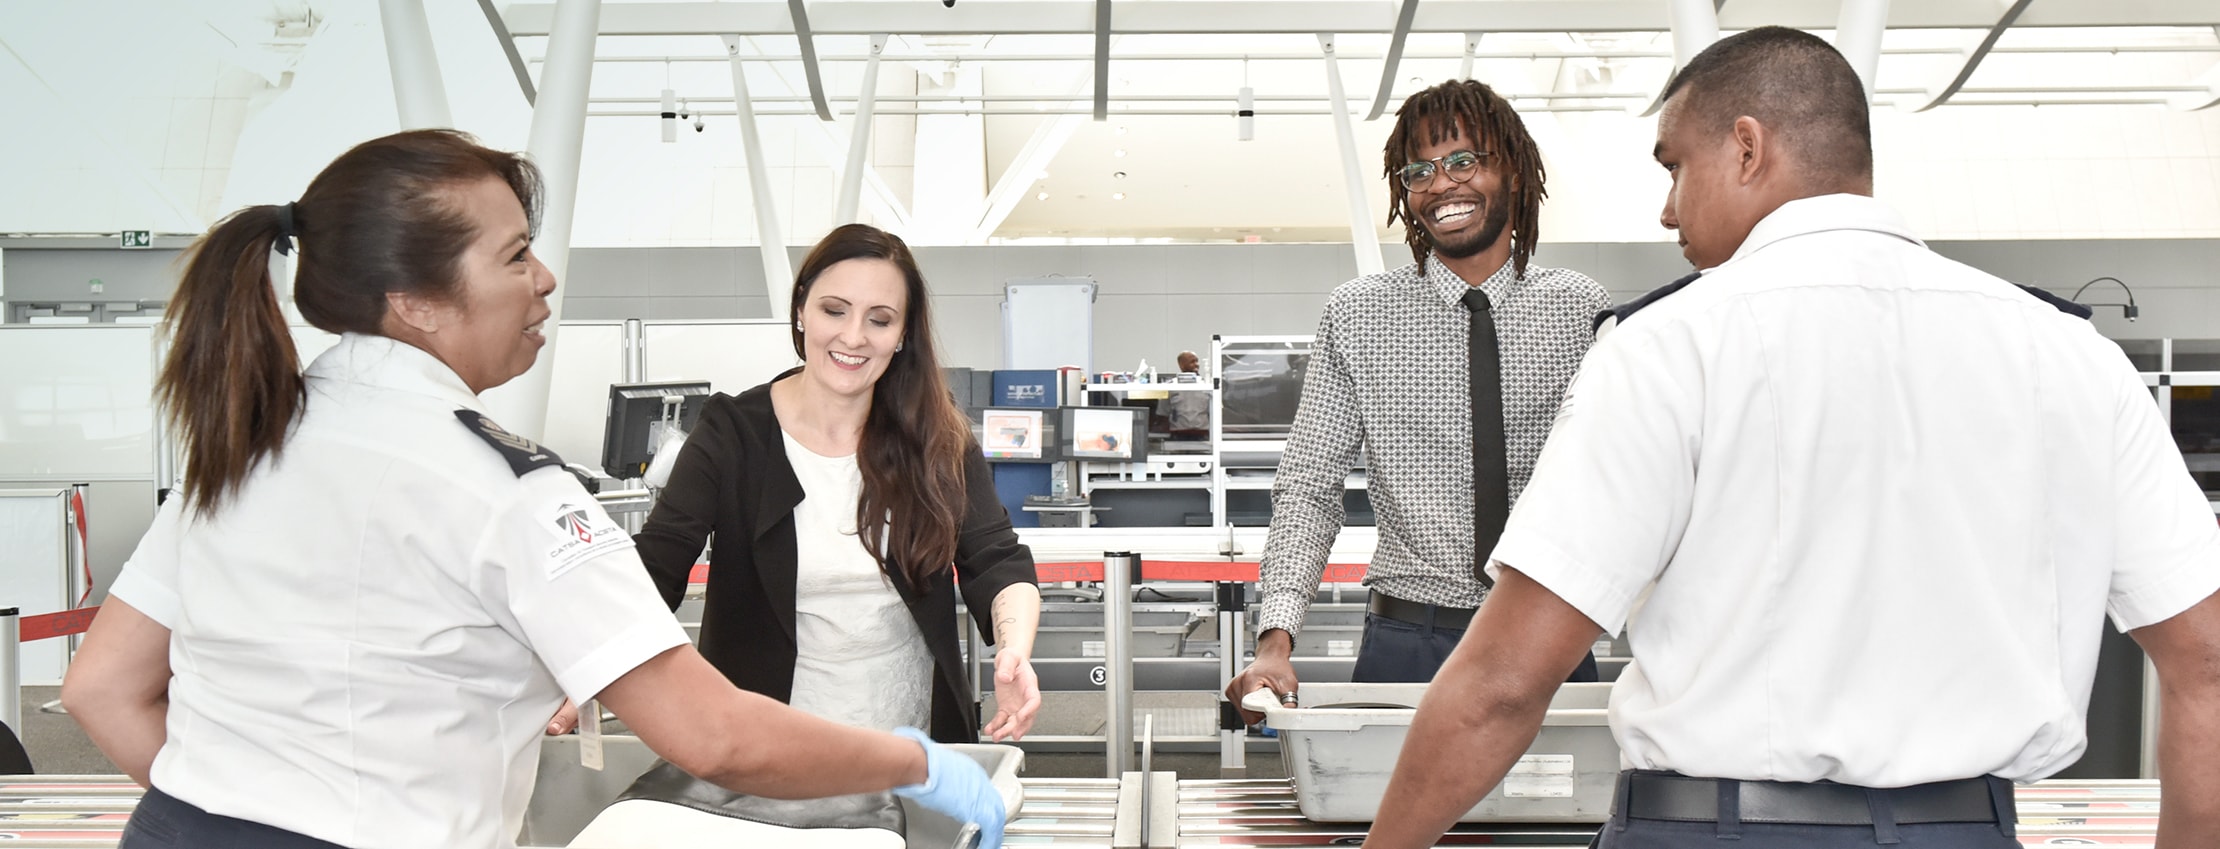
(1727, 830)
(163, 821)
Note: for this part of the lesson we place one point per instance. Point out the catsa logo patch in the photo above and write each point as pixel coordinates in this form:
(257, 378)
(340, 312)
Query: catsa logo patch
(582, 534)
(576, 523)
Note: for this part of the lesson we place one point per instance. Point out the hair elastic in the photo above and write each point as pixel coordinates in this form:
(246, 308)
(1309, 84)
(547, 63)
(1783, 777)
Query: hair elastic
(287, 230)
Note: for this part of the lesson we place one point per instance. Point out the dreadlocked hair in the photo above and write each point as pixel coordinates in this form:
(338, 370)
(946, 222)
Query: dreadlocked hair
(1471, 110)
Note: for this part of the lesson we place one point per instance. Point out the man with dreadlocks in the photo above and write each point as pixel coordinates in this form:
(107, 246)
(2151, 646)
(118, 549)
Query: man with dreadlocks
(1446, 373)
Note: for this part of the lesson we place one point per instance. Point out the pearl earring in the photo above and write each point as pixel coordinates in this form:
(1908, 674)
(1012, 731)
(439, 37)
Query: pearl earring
(797, 326)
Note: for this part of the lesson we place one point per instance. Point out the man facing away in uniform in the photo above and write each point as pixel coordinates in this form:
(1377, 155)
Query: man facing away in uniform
(1880, 504)
(1446, 373)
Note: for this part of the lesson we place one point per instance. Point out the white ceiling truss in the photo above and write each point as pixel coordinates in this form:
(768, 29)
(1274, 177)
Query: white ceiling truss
(1950, 40)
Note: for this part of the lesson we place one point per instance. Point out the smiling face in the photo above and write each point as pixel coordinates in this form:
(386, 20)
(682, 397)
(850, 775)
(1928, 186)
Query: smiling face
(853, 319)
(489, 330)
(1462, 219)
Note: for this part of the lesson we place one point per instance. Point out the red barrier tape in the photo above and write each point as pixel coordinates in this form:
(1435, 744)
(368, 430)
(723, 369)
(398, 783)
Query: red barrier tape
(84, 542)
(49, 625)
(1151, 570)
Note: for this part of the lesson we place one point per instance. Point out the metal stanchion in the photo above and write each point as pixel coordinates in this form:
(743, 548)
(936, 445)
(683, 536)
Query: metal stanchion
(1118, 568)
(1233, 734)
(11, 669)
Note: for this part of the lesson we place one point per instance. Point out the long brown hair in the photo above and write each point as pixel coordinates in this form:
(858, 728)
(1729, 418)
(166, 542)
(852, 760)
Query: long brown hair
(378, 219)
(914, 440)
(1472, 110)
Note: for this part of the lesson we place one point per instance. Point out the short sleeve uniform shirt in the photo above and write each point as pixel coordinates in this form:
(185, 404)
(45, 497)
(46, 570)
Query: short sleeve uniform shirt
(369, 638)
(1879, 503)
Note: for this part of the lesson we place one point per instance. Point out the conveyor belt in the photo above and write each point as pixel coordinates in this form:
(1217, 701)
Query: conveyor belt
(58, 811)
(1262, 813)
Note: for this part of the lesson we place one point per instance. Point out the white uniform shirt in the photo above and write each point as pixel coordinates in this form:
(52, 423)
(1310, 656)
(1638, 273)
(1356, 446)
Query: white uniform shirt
(1885, 500)
(369, 638)
(859, 658)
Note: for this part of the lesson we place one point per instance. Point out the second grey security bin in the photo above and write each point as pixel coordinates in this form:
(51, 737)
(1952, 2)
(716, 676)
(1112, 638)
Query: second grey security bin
(1340, 758)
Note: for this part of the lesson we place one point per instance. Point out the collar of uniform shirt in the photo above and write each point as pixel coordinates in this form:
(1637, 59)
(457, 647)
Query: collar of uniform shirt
(1805, 216)
(1498, 287)
(390, 363)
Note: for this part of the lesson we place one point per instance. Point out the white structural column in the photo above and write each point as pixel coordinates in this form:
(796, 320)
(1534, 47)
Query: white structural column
(1858, 36)
(1025, 170)
(1695, 27)
(417, 87)
(859, 140)
(778, 274)
(1362, 236)
(949, 180)
(558, 133)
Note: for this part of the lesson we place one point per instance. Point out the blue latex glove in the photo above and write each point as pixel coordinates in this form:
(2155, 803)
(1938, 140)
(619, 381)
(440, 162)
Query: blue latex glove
(957, 787)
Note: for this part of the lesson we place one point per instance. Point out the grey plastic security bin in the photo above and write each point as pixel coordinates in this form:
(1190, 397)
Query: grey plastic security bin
(1340, 758)
(568, 795)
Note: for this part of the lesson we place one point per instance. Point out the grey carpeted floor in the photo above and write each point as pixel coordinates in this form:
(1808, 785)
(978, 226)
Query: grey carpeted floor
(56, 745)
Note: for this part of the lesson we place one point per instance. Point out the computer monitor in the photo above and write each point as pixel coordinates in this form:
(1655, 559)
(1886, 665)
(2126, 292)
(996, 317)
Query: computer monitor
(1261, 385)
(641, 416)
(1017, 434)
(1105, 433)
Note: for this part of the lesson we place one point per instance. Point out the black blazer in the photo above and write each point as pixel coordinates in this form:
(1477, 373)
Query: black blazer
(733, 480)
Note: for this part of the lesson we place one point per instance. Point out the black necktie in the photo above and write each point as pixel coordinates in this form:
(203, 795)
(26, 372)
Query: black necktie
(1491, 489)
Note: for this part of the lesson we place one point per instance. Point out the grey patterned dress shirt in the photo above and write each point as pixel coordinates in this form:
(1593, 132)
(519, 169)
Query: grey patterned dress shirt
(1387, 375)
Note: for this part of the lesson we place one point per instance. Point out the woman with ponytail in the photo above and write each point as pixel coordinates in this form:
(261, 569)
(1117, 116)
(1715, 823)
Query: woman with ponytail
(849, 504)
(350, 627)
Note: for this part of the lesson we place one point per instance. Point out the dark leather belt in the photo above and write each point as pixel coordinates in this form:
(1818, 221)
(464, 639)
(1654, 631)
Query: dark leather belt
(1679, 798)
(1400, 610)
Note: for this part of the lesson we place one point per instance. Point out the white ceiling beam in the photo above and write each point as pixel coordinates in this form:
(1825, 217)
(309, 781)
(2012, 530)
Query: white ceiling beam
(1102, 60)
(1695, 27)
(1939, 95)
(508, 48)
(1362, 236)
(1079, 17)
(1858, 37)
(882, 201)
(1025, 170)
(799, 10)
(1394, 58)
(2210, 79)
(859, 139)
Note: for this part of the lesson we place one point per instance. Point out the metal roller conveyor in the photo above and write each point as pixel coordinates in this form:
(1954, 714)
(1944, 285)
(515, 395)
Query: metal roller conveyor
(68, 811)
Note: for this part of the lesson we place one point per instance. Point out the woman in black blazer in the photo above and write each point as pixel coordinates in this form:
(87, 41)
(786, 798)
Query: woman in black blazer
(858, 460)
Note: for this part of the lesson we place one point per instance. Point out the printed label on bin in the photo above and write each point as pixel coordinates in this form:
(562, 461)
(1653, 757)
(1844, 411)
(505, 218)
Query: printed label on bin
(1092, 648)
(1341, 648)
(1540, 777)
(1603, 647)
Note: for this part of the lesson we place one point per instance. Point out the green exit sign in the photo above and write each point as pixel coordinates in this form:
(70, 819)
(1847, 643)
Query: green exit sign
(138, 238)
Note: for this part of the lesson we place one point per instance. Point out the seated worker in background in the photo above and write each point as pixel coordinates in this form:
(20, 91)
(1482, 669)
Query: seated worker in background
(351, 625)
(1879, 504)
(1446, 373)
(1188, 411)
(849, 503)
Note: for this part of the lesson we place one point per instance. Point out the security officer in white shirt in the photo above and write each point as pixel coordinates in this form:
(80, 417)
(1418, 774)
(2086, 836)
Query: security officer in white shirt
(1879, 503)
(353, 624)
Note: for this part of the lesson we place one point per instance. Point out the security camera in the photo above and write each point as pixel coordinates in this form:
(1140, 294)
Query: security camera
(697, 123)
(949, 3)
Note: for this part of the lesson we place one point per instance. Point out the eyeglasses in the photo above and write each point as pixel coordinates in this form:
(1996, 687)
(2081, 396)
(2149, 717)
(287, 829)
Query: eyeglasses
(1460, 166)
